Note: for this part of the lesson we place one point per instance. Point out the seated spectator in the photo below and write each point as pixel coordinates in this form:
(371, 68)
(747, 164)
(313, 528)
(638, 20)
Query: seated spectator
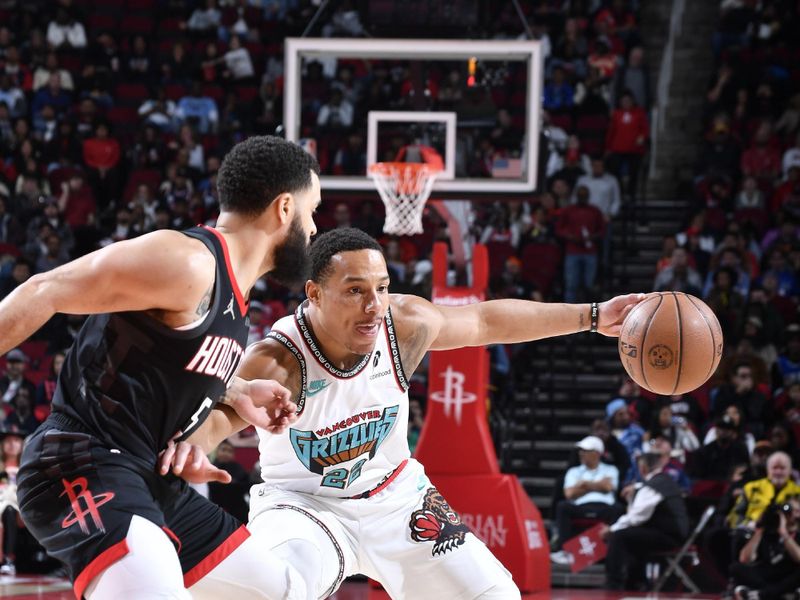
(777, 264)
(53, 95)
(589, 492)
(22, 417)
(630, 434)
(13, 97)
(159, 110)
(762, 160)
(20, 273)
(238, 64)
(717, 459)
(741, 391)
(138, 64)
(41, 75)
(10, 452)
(679, 276)
(14, 379)
(787, 368)
(101, 154)
(734, 413)
(197, 109)
(614, 452)
(65, 32)
(674, 429)
(791, 158)
(54, 254)
(510, 284)
(205, 21)
(558, 92)
(782, 439)
(769, 564)
(750, 196)
(76, 202)
(776, 488)
(656, 521)
(337, 113)
(724, 299)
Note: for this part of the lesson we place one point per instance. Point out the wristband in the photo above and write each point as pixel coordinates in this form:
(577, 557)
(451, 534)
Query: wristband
(594, 315)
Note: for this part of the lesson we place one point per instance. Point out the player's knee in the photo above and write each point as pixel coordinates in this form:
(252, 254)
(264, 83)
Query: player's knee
(505, 590)
(305, 579)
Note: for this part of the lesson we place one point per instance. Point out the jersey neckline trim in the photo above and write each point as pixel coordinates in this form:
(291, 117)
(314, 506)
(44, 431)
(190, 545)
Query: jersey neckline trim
(234, 284)
(391, 341)
(280, 337)
(313, 346)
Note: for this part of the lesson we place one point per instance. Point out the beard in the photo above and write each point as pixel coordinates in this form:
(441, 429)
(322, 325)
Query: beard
(291, 257)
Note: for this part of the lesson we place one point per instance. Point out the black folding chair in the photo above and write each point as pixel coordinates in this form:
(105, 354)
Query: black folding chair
(674, 558)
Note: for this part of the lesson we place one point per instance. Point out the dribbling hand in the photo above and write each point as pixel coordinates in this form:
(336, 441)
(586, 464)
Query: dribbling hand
(189, 462)
(613, 312)
(265, 404)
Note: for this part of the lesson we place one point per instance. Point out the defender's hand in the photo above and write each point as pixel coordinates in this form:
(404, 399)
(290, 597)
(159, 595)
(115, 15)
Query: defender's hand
(189, 462)
(614, 311)
(265, 404)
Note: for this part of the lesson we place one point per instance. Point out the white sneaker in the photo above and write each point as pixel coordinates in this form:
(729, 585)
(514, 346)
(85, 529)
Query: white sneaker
(8, 568)
(561, 557)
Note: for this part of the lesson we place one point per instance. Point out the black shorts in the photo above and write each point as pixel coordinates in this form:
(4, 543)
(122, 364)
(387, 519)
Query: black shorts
(77, 498)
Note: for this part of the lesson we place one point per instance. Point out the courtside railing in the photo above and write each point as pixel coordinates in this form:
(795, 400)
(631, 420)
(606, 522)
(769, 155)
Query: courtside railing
(658, 115)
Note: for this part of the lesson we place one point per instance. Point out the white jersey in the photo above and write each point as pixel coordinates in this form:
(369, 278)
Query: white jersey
(351, 432)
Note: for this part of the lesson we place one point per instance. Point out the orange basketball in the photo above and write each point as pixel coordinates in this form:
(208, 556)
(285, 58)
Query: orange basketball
(670, 343)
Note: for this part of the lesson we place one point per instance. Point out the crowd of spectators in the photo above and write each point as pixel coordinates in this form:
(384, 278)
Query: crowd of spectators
(733, 443)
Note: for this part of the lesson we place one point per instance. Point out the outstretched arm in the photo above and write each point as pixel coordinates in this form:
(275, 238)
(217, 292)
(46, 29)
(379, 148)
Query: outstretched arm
(433, 327)
(163, 271)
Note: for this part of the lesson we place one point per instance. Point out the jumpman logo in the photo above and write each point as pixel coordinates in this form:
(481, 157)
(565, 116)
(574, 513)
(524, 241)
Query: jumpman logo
(230, 309)
(79, 490)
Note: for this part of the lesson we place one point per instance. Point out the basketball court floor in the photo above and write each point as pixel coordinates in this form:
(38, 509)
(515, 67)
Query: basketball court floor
(47, 588)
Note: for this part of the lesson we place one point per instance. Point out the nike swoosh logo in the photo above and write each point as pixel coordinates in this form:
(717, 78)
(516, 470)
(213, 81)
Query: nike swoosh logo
(316, 391)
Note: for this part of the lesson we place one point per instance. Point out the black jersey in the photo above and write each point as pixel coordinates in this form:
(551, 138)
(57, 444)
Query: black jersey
(134, 383)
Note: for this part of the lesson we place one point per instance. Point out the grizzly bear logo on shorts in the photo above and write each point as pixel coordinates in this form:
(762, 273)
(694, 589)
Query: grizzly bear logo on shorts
(438, 523)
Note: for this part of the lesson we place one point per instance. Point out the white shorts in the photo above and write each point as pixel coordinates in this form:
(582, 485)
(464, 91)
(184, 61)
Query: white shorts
(406, 537)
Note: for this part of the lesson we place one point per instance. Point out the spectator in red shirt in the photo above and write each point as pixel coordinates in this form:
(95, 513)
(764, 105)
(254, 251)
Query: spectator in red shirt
(626, 142)
(582, 226)
(762, 160)
(101, 154)
(76, 202)
(604, 59)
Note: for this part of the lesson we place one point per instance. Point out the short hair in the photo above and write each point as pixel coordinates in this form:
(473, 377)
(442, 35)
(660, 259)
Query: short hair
(651, 460)
(331, 243)
(258, 170)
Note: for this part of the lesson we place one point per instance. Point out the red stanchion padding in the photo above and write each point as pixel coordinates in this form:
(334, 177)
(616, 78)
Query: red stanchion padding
(455, 437)
(497, 510)
(457, 449)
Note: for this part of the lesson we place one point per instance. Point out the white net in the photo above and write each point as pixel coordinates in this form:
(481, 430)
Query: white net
(404, 189)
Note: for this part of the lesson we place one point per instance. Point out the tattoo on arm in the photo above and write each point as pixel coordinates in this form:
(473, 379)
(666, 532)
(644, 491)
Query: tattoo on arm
(582, 324)
(205, 302)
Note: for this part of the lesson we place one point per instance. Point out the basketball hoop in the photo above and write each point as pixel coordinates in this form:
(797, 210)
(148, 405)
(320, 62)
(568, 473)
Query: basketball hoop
(404, 189)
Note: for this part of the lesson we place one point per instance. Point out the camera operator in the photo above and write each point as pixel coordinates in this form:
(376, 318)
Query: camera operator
(769, 564)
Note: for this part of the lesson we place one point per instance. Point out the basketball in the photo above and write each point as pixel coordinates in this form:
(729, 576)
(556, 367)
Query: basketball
(670, 343)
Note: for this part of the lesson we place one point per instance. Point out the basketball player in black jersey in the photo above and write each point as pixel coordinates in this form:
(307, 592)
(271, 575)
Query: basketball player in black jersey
(348, 296)
(166, 334)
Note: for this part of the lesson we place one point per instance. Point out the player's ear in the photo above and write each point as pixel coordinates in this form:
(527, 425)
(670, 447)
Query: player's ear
(284, 206)
(313, 292)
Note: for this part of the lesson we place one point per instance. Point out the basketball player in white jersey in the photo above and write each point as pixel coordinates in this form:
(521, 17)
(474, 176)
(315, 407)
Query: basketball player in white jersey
(342, 494)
